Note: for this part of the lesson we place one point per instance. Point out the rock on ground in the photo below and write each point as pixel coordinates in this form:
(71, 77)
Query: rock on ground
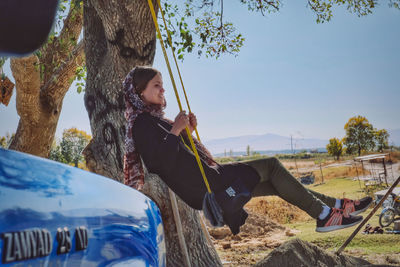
(298, 253)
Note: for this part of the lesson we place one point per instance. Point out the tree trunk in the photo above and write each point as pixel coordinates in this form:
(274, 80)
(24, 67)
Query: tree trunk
(41, 84)
(201, 252)
(120, 35)
(39, 110)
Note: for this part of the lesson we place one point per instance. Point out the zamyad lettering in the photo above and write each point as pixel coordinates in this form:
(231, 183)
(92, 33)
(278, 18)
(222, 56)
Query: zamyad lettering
(26, 244)
(81, 238)
(64, 240)
(40, 244)
(7, 248)
(32, 239)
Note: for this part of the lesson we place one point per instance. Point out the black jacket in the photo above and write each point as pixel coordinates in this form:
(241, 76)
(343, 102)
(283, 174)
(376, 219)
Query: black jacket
(165, 154)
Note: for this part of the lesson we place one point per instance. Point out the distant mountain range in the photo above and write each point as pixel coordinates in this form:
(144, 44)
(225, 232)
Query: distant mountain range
(274, 142)
(262, 142)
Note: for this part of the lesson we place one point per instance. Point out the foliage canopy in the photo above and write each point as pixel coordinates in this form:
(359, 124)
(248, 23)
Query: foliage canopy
(382, 139)
(359, 135)
(212, 35)
(69, 151)
(335, 147)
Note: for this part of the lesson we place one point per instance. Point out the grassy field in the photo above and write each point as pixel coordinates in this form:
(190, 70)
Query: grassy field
(340, 187)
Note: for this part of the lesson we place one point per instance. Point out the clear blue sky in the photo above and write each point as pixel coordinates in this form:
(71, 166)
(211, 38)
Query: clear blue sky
(293, 76)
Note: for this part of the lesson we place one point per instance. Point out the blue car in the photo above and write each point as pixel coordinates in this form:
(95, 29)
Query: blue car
(52, 214)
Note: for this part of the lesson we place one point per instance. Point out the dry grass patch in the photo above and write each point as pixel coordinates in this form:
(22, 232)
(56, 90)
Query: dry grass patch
(277, 209)
(291, 165)
(339, 172)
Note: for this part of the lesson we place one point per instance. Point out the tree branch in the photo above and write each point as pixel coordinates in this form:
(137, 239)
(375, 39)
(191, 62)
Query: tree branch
(52, 54)
(54, 90)
(112, 24)
(222, 13)
(27, 83)
(274, 5)
(73, 23)
(262, 5)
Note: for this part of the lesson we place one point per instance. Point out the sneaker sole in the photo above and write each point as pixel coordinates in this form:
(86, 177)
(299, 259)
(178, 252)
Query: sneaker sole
(335, 227)
(360, 211)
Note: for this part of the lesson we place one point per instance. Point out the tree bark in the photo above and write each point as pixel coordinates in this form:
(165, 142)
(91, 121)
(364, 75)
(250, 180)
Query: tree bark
(119, 35)
(39, 108)
(41, 84)
(201, 252)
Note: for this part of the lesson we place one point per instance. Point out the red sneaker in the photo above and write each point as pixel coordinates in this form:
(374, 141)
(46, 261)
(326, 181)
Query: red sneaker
(337, 220)
(354, 207)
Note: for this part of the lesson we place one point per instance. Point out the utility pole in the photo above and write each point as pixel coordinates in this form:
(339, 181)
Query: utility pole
(320, 167)
(295, 161)
(291, 142)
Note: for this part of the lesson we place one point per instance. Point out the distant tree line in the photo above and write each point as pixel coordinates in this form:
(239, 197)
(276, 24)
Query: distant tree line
(68, 150)
(360, 137)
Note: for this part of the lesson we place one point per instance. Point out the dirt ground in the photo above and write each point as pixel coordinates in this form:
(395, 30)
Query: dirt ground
(256, 239)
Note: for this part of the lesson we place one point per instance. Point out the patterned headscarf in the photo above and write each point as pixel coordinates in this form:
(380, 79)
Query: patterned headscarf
(133, 167)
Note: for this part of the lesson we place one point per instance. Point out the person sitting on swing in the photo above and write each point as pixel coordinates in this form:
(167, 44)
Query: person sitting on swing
(162, 145)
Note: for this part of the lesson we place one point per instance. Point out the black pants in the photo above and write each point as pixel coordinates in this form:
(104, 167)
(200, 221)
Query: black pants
(276, 180)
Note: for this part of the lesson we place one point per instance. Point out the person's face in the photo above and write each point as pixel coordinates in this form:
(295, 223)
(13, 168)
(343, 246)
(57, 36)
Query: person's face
(154, 92)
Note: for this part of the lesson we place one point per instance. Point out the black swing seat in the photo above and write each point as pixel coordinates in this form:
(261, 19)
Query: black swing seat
(226, 206)
(232, 201)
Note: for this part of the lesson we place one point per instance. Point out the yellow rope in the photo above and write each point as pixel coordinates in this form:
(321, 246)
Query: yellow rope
(176, 64)
(174, 86)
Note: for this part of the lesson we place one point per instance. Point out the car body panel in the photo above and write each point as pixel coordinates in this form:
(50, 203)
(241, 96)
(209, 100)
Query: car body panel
(52, 214)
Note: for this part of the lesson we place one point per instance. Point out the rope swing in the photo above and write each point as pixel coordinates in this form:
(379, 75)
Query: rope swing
(193, 147)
